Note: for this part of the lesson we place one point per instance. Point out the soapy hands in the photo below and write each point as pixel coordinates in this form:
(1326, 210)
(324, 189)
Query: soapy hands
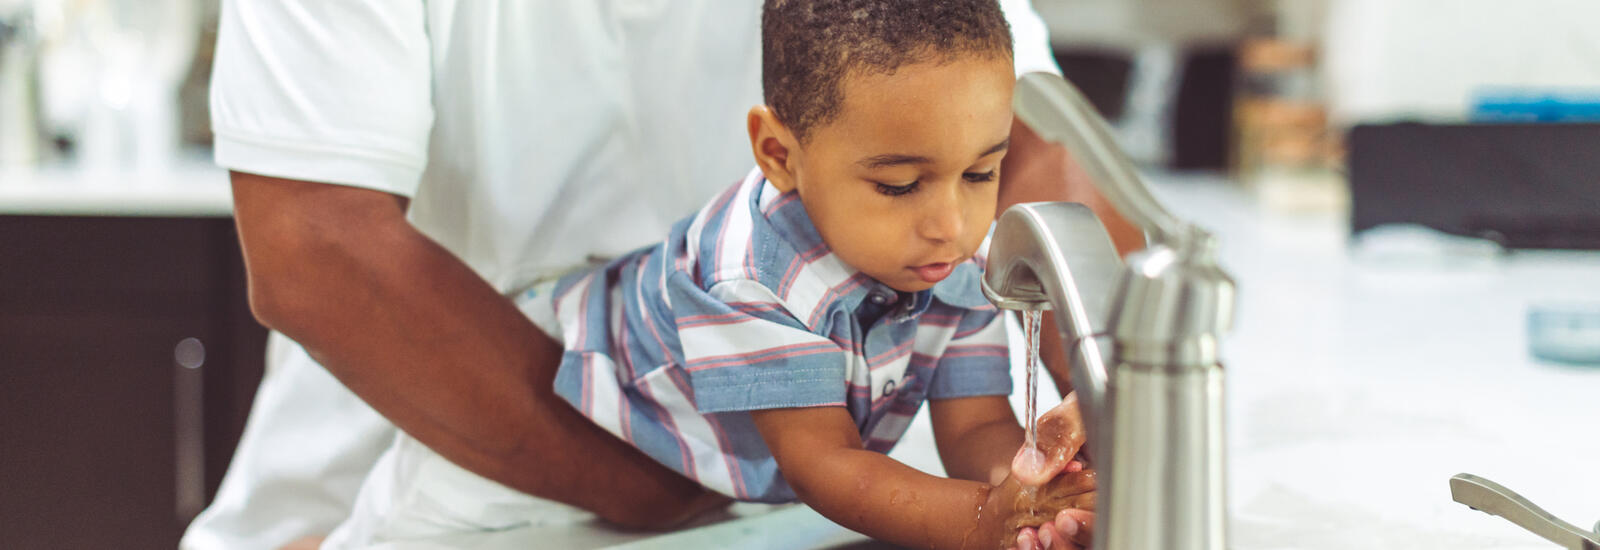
(1054, 505)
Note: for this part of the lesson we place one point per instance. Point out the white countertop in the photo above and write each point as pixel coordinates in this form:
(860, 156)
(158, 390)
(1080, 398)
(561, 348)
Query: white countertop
(187, 188)
(1356, 389)
(1354, 392)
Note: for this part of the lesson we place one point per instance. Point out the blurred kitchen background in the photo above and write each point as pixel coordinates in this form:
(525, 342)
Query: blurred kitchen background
(1410, 144)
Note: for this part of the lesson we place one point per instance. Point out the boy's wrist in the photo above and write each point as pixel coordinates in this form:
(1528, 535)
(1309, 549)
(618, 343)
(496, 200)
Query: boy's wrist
(998, 473)
(994, 511)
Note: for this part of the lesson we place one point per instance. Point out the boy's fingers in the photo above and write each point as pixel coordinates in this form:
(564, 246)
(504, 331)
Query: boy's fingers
(1056, 540)
(1073, 483)
(1027, 540)
(1034, 468)
(1077, 525)
(1061, 430)
(1065, 524)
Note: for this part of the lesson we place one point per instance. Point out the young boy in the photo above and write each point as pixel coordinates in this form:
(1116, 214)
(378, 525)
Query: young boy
(778, 342)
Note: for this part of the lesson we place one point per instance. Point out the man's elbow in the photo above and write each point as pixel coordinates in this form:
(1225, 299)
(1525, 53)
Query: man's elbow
(272, 303)
(289, 292)
(278, 303)
(662, 513)
(304, 243)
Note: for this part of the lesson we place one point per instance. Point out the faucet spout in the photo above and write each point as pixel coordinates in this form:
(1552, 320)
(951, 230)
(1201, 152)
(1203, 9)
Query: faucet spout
(1058, 256)
(1142, 337)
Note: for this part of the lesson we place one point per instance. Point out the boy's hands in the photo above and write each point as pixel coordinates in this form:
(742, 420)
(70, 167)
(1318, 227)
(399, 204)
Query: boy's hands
(974, 436)
(1071, 530)
(821, 456)
(1061, 437)
(995, 528)
(1059, 513)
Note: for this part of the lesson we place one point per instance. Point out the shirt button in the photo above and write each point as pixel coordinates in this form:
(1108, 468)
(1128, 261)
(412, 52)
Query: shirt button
(879, 299)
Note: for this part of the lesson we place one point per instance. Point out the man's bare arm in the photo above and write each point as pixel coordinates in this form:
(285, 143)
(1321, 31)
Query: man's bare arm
(428, 343)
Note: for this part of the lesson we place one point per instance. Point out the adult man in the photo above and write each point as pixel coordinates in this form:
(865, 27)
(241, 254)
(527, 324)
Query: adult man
(519, 138)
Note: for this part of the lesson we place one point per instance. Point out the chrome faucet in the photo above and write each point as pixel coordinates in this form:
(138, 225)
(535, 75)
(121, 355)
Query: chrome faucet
(1493, 498)
(1142, 337)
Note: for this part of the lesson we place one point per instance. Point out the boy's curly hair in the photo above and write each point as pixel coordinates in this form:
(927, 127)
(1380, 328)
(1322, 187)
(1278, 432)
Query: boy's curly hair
(808, 47)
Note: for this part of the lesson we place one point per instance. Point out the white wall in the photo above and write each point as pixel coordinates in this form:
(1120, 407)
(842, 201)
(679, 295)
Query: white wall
(1389, 59)
(1130, 24)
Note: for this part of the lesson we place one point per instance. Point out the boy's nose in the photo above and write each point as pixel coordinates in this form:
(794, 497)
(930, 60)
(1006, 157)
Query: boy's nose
(943, 220)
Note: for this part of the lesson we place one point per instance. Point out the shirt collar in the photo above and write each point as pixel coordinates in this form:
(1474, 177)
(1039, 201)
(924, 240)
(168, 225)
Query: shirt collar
(961, 289)
(788, 219)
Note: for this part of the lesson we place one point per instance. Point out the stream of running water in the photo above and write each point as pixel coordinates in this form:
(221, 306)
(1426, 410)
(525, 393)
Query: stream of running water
(1030, 330)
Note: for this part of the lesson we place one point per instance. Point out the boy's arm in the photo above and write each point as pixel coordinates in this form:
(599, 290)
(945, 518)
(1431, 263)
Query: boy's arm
(822, 458)
(977, 436)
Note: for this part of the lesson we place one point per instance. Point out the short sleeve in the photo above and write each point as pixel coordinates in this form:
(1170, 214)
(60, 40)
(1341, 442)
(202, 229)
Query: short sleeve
(333, 92)
(744, 351)
(977, 361)
(1031, 51)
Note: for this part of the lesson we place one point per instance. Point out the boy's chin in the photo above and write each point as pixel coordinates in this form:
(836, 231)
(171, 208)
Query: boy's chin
(908, 283)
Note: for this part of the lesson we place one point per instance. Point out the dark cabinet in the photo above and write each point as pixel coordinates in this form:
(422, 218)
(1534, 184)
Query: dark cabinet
(128, 359)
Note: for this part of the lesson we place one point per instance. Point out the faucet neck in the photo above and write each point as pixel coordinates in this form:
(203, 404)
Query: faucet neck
(1172, 305)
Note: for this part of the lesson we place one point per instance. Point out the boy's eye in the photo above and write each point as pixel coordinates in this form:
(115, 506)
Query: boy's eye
(979, 177)
(897, 190)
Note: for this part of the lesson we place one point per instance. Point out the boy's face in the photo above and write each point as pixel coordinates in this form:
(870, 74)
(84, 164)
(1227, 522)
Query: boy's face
(902, 183)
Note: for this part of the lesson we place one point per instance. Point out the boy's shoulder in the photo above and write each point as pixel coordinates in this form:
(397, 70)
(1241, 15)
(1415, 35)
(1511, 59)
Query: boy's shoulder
(752, 232)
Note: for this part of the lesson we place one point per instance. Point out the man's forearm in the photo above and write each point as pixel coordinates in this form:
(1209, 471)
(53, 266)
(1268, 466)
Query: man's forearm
(398, 319)
(419, 336)
(422, 339)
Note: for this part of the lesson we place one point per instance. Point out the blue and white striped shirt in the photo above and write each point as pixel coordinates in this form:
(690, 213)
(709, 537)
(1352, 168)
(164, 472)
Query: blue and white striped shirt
(743, 308)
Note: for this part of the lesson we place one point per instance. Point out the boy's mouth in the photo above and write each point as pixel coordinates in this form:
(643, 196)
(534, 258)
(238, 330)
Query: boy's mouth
(934, 273)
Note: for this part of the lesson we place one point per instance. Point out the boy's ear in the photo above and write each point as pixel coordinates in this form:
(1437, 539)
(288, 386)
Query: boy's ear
(774, 147)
